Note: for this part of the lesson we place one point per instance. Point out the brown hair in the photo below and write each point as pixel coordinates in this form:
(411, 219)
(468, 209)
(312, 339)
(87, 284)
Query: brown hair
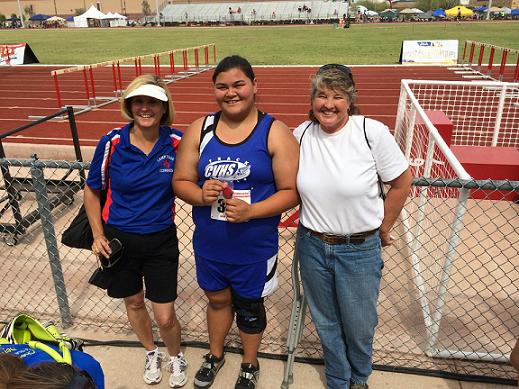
(14, 374)
(337, 80)
(146, 79)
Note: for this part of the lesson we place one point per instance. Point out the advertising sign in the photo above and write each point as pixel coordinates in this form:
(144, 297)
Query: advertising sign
(443, 52)
(17, 54)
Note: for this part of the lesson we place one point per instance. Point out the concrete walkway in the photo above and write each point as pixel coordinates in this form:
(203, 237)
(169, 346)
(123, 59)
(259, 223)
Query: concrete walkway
(123, 370)
(123, 367)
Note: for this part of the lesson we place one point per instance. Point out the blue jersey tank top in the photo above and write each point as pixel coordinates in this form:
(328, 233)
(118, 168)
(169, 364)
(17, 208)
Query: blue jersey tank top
(249, 165)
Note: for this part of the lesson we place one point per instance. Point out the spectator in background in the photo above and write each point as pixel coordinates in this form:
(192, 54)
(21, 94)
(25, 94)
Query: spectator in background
(237, 168)
(344, 220)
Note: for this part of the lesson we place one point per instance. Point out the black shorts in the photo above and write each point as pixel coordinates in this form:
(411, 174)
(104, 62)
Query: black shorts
(153, 257)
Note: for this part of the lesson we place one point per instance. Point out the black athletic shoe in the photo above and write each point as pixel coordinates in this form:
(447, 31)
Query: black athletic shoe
(205, 376)
(248, 378)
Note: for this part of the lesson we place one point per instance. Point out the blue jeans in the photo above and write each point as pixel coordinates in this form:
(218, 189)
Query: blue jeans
(341, 283)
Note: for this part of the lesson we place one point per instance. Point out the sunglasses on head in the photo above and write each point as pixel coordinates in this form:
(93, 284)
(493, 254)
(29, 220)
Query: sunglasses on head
(336, 66)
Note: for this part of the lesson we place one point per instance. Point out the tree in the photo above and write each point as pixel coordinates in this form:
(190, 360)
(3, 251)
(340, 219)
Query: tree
(79, 11)
(146, 9)
(426, 5)
(29, 10)
(371, 5)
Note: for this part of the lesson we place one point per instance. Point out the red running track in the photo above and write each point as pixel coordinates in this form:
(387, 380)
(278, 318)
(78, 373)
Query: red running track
(283, 92)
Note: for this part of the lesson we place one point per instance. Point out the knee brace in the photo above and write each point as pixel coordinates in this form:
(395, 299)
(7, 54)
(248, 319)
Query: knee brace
(251, 317)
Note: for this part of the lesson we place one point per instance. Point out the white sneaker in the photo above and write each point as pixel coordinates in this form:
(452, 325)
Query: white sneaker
(152, 367)
(177, 366)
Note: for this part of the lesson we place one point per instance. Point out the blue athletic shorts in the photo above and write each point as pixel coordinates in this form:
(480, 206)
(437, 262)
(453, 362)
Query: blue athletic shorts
(251, 281)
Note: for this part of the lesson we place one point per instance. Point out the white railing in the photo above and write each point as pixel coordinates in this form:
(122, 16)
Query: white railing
(482, 114)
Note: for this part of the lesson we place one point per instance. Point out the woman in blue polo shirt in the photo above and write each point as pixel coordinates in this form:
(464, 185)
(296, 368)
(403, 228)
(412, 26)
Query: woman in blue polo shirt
(238, 169)
(135, 165)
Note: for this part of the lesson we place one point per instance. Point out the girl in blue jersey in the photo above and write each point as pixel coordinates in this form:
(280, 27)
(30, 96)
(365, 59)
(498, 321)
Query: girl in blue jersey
(135, 165)
(237, 168)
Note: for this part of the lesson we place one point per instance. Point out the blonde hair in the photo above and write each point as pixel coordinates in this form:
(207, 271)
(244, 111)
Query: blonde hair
(148, 79)
(338, 81)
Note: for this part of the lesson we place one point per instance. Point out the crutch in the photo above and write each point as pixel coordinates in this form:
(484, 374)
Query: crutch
(295, 328)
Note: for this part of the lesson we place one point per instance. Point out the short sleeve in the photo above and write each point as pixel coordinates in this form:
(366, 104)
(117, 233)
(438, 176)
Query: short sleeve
(94, 179)
(299, 130)
(390, 160)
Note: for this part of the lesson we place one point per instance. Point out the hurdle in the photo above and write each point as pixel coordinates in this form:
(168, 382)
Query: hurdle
(98, 90)
(474, 68)
(14, 186)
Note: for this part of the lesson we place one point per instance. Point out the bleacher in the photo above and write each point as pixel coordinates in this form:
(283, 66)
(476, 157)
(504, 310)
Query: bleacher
(237, 13)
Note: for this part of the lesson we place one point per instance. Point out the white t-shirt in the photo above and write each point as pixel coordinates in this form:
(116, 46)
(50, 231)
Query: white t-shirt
(337, 178)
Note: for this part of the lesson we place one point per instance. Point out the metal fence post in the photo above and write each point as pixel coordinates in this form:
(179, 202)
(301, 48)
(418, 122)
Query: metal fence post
(44, 207)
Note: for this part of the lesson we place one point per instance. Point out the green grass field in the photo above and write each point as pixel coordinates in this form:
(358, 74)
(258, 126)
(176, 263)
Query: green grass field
(284, 45)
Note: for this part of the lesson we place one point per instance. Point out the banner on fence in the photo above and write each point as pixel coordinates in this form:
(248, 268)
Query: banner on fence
(443, 52)
(17, 54)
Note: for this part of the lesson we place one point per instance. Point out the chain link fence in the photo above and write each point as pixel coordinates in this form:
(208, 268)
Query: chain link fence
(449, 300)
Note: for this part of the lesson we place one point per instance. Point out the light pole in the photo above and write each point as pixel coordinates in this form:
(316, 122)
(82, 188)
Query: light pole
(488, 9)
(21, 14)
(55, 9)
(158, 15)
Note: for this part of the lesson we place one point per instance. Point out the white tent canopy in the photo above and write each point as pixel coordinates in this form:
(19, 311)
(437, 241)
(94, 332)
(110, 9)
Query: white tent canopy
(410, 11)
(55, 19)
(119, 16)
(91, 13)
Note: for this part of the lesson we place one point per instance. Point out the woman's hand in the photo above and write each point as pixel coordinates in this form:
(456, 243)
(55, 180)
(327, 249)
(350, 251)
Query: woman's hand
(238, 211)
(101, 246)
(210, 191)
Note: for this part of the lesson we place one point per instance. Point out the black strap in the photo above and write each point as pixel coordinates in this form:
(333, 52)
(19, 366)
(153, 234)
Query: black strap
(303, 134)
(380, 183)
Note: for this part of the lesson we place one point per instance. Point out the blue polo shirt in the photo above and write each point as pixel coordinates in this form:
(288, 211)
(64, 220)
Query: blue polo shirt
(140, 196)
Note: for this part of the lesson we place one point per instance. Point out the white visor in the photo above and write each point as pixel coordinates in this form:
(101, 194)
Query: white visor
(149, 90)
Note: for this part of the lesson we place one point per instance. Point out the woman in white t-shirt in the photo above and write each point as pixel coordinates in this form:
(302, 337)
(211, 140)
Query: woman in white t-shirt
(344, 220)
